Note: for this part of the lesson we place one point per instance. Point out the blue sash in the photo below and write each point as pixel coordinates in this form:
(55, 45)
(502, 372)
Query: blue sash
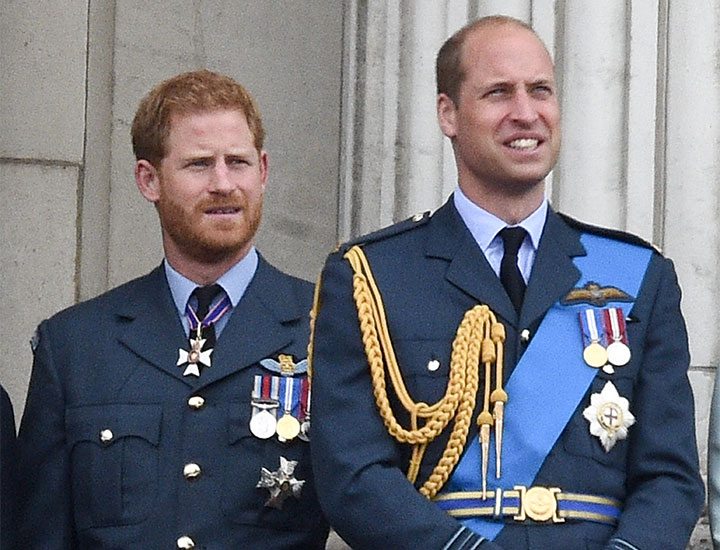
(565, 376)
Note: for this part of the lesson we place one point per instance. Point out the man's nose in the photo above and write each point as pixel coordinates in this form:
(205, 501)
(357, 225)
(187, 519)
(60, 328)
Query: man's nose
(221, 181)
(523, 108)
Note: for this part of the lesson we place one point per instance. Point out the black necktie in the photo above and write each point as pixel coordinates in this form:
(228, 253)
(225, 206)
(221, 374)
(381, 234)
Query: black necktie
(205, 295)
(510, 275)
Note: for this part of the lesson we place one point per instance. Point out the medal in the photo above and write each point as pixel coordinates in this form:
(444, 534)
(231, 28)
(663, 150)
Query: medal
(263, 422)
(281, 483)
(609, 416)
(305, 429)
(288, 394)
(618, 354)
(288, 427)
(305, 410)
(594, 354)
(196, 356)
(618, 351)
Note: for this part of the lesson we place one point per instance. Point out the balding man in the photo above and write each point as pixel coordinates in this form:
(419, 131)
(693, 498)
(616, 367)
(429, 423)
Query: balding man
(496, 375)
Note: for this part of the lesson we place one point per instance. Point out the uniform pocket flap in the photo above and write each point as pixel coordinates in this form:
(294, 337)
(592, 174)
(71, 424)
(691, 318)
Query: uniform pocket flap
(237, 426)
(104, 424)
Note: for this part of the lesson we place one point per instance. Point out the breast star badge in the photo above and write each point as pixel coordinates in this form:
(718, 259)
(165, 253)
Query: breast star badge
(609, 416)
(281, 483)
(196, 356)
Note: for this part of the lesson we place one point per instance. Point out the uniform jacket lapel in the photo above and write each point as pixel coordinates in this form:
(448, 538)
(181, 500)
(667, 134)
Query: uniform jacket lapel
(255, 329)
(150, 327)
(553, 274)
(149, 324)
(468, 269)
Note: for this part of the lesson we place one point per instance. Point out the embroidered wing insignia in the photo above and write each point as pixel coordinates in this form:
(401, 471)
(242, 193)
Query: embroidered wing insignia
(594, 294)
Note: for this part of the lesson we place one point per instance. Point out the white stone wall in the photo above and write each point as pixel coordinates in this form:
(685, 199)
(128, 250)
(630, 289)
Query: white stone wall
(42, 122)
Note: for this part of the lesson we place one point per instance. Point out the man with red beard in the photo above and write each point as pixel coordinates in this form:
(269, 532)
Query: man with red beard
(173, 411)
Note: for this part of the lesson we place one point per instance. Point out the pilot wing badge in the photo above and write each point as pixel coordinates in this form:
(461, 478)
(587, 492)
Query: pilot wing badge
(594, 294)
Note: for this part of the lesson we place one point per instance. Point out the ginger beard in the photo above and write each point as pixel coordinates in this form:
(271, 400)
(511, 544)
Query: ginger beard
(200, 231)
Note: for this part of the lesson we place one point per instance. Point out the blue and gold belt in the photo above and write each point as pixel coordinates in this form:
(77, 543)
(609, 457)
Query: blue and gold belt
(535, 504)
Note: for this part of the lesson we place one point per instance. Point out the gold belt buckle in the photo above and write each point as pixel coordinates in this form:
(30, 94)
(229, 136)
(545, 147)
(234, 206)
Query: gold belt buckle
(538, 503)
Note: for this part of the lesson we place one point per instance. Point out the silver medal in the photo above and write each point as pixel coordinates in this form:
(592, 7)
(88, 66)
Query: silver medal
(263, 424)
(305, 430)
(618, 354)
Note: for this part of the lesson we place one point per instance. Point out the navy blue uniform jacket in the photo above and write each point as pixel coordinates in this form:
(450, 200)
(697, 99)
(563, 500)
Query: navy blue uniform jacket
(8, 474)
(110, 363)
(430, 272)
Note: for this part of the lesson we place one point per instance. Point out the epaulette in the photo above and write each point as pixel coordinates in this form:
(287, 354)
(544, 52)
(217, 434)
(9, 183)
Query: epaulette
(418, 220)
(616, 234)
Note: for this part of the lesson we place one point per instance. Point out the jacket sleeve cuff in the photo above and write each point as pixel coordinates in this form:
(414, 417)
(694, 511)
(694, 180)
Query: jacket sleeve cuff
(619, 544)
(466, 539)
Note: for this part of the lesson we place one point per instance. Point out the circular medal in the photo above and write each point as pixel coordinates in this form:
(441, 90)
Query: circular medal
(595, 355)
(611, 417)
(288, 427)
(263, 424)
(618, 354)
(305, 430)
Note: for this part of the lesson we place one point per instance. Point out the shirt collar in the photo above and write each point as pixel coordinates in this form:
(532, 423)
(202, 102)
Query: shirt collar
(485, 226)
(234, 281)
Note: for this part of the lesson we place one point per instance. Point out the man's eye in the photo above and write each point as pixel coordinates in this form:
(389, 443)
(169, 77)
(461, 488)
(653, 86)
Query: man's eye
(543, 90)
(200, 163)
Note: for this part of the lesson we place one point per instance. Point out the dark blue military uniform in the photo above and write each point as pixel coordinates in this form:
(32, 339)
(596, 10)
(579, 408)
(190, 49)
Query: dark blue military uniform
(8, 486)
(120, 450)
(430, 271)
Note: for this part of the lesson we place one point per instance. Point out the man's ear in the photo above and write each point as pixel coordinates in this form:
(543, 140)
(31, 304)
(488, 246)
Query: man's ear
(446, 111)
(264, 166)
(147, 180)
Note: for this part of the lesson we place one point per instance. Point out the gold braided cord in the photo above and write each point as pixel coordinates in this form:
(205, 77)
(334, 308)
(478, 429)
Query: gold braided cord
(373, 326)
(468, 349)
(465, 356)
(313, 318)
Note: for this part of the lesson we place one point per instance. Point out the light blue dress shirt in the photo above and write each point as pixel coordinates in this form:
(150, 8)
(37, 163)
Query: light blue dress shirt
(234, 282)
(485, 228)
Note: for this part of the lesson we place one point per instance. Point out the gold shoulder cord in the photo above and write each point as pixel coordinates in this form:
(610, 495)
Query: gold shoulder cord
(479, 337)
(313, 317)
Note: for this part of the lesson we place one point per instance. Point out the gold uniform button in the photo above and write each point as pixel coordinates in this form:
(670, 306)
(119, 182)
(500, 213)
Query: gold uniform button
(106, 435)
(196, 402)
(185, 543)
(191, 471)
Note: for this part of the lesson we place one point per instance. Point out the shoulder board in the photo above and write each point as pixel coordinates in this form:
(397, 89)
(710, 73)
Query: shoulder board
(609, 233)
(418, 220)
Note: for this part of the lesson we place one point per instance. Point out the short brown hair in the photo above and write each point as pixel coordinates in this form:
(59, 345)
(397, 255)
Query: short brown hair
(188, 93)
(449, 71)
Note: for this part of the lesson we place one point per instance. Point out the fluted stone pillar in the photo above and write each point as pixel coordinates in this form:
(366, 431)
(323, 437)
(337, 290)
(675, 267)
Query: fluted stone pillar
(589, 180)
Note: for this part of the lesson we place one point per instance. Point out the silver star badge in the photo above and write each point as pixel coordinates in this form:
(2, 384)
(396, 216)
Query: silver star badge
(609, 416)
(281, 483)
(196, 356)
